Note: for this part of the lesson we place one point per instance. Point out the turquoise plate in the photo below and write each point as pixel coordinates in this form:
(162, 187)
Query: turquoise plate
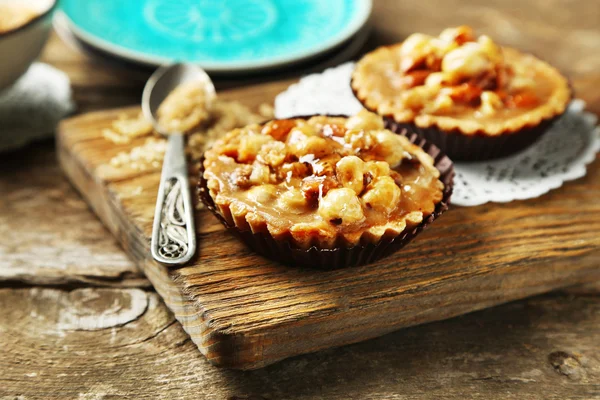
(218, 35)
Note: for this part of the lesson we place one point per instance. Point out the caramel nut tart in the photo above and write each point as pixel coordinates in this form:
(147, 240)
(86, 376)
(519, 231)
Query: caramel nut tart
(471, 97)
(324, 191)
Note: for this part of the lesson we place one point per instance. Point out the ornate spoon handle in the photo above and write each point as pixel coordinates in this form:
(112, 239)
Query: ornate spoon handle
(173, 233)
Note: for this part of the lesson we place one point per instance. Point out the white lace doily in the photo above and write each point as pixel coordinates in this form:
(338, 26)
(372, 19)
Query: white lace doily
(561, 155)
(33, 106)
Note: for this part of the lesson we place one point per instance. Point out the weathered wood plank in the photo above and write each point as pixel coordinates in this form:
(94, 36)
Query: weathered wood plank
(255, 312)
(49, 236)
(541, 348)
(566, 35)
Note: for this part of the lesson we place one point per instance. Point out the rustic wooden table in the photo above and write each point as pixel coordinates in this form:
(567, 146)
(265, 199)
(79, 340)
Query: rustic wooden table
(78, 319)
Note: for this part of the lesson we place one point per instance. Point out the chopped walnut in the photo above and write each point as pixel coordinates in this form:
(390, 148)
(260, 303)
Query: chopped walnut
(278, 129)
(295, 169)
(459, 35)
(364, 120)
(464, 94)
(341, 204)
(333, 130)
(261, 174)
(241, 176)
(272, 153)
(382, 194)
(320, 122)
(359, 140)
(250, 146)
(466, 61)
(491, 49)
(315, 145)
(295, 137)
(390, 147)
(473, 60)
(415, 50)
(377, 168)
(304, 129)
(490, 103)
(324, 166)
(263, 193)
(315, 187)
(350, 171)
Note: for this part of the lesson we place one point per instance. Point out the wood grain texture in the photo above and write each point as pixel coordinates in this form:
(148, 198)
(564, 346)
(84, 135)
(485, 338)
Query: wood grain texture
(49, 236)
(544, 348)
(246, 312)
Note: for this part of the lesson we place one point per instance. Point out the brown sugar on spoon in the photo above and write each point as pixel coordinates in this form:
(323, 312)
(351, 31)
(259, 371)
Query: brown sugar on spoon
(185, 108)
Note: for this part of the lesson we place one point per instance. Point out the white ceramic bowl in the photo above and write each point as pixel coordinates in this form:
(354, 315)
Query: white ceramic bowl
(19, 47)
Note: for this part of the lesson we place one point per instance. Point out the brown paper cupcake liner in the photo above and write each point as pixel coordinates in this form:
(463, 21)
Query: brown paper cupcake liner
(478, 146)
(283, 251)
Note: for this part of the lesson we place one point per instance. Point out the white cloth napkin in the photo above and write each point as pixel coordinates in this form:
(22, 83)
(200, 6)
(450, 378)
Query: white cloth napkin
(33, 106)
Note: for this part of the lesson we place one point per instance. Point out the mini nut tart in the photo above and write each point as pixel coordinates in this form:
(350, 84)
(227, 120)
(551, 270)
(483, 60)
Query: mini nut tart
(321, 182)
(460, 84)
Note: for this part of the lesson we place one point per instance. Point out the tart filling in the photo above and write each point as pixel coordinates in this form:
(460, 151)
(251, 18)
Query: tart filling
(459, 81)
(324, 181)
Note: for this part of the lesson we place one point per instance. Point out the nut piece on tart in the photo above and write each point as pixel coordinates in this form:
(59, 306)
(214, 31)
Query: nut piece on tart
(458, 89)
(322, 182)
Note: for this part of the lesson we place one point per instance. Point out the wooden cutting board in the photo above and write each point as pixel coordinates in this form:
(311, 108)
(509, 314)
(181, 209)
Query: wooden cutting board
(245, 312)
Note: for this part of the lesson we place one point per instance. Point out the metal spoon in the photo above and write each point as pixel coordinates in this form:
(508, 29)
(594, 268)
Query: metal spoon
(173, 233)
